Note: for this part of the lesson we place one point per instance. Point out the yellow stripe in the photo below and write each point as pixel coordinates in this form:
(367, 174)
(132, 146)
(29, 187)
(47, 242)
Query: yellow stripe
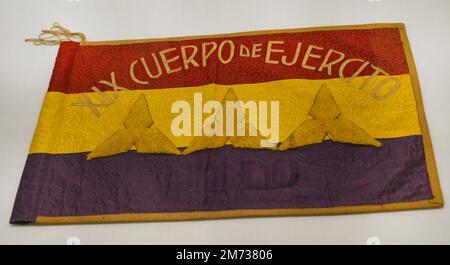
(64, 128)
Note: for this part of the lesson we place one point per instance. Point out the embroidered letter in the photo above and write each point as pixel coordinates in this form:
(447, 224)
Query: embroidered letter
(294, 60)
(133, 75)
(220, 51)
(244, 51)
(356, 73)
(207, 54)
(328, 65)
(256, 50)
(189, 59)
(381, 84)
(166, 62)
(378, 70)
(114, 85)
(88, 103)
(147, 70)
(308, 55)
(271, 50)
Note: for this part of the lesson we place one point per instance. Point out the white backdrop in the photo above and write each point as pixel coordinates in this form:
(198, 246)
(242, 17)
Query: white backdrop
(26, 69)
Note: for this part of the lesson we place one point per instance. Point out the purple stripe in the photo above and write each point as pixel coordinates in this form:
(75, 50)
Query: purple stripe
(322, 175)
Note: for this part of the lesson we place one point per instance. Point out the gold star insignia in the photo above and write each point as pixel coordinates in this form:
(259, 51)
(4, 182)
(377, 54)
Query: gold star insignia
(246, 141)
(139, 132)
(327, 122)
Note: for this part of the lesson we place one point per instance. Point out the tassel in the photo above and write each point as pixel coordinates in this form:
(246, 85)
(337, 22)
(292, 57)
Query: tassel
(55, 35)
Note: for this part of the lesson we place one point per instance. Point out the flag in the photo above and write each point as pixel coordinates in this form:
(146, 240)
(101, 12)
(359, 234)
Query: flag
(313, 121)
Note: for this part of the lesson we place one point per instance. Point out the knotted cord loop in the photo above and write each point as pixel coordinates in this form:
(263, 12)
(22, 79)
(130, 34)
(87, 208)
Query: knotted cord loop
(55, 35)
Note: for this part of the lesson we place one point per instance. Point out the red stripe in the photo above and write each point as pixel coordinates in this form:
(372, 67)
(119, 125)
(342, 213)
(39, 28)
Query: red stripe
(381, 47)
(63, 66)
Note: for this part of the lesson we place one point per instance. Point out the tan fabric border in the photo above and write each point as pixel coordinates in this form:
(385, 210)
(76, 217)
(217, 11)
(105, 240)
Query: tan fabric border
(428, 148)
(248, 33)
(436, 202)
(205, 215)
